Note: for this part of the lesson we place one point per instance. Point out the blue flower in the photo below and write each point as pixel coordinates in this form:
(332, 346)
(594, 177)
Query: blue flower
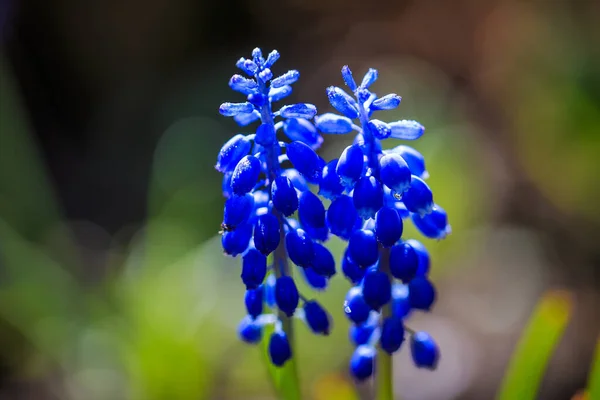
(380, 188)
(273, 211)
(263, 197)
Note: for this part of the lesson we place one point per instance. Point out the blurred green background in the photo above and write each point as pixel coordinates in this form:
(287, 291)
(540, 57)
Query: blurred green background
(112, 281)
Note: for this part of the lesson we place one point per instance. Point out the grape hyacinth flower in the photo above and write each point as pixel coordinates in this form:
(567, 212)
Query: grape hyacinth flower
(262, 198)
(373, 191)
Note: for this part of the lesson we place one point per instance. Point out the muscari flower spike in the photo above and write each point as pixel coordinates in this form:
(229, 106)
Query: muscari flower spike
(262, 198)
(374, 191)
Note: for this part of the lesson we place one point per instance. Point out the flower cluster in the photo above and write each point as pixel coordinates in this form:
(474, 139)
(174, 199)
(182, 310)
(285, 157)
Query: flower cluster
(271, 215)
(372, 192)
(262, 197)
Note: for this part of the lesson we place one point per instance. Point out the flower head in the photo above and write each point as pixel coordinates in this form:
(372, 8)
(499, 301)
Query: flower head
(373, 192)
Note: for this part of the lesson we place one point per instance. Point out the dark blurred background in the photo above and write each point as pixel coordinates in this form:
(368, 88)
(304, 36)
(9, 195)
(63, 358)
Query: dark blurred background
(109, 132)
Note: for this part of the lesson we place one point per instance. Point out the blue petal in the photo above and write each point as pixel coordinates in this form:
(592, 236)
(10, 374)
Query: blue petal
(265, 75)
(369, 78)
(246, 119)
(333, 123)
(257, 56)
(387, 102)
(286, 79)
(276, 94)
(348, 78)
(342, 102)
(302, 130)
(406, 130)
(248, 66)
(379, 129)
(272, 58)
(231, 109)
(300, 110)
(243, 85)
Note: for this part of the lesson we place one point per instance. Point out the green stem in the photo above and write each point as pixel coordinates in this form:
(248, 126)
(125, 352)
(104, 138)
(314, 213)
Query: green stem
(384, 371)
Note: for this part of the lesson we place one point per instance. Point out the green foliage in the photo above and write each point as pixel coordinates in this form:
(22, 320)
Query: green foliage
(535, 348)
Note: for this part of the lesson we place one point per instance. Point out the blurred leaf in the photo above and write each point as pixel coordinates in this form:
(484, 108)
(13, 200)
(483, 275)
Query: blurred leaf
(334, 387)
(593, 390)
(536, 346)
(284, 379)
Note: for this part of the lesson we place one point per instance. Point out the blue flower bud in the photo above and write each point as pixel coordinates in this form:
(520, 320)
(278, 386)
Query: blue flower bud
(363, 248)
(316, 317)
(425, 352)
(265, 135)
(265, 75)
(388, 226)
(226, 185)
(254, 268)
(276, 94)
(257, 56)
(299, 247)
(257, 99)
(286, 79)
(279, 348)
(400, 301)
(342, 102)
(330, 185)
(231, 109)
(421, 293)
(379, 129)
(302, 130)
(390, 201)
(414, 159)
(285, 198)
(392, 335)
(333, 123)
(247, 119)
(367, 197)
(351, 269)
(245, 175)
(387, 102)
(248, 66)
(237, 210)
(377, 289)
(272, 57)
(311, 210)
(350, 165)
(300, 110)
(355, 307)
(243, 85)
(297, 180)
(254, 302)
(324, 263)
(361, 334)
(407, 130)
(369, 78)
(266, 233)
(261, 200)
(236, 242)
(314, 280)
(348, 78)
(394, 172)
(418, 198)
(362, 362)
(286, 295)
(304, 159)
(269, 290)
(249, 330)
(404, 262)
(342, 217)
(433, 225)
(423, 256)
(232, 152)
